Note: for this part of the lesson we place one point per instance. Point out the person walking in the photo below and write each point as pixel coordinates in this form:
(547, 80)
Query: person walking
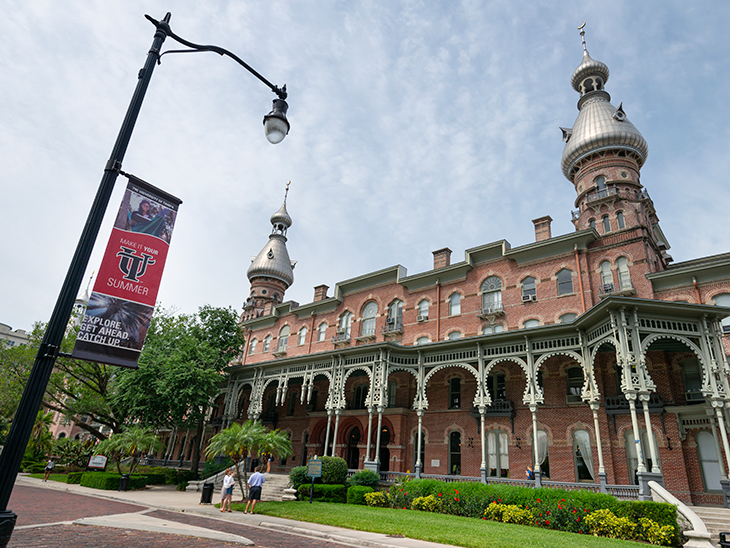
(268, 463)
(255, 482)
(227, 491)
(50, 465)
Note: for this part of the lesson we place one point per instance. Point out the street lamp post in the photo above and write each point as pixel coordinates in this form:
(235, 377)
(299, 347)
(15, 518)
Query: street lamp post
(276, 127)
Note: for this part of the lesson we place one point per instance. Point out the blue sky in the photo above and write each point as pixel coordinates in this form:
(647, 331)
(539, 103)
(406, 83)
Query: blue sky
(416, 125)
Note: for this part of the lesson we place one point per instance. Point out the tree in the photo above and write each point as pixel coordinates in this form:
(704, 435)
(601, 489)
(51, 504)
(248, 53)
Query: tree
(15, 365)
(239, 440)
(133, 443)
(180, 369)
(41, 441)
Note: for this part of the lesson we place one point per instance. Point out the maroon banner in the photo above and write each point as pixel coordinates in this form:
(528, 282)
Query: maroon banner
(120, 308)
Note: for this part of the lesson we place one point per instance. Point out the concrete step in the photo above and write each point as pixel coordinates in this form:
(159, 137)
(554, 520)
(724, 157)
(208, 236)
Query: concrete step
(716, 519)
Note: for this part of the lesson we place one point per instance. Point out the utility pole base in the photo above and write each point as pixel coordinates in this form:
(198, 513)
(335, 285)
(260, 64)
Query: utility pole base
(7, 524)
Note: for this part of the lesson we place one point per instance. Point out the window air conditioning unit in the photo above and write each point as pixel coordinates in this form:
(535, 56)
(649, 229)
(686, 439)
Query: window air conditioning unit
(528, 298)
(340, 331)
(608, 288)
(726, 328)
(390, 320)
(421, 318)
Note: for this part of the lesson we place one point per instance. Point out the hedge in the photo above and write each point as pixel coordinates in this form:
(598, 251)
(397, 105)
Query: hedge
(323, 493)
(156, 479)
(110, 482)
(74, 477)
(356, 494)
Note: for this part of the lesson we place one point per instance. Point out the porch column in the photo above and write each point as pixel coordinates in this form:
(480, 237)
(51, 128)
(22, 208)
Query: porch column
(533, 410)
(327, 435)
(723, 431)
(720, 460)
(602, 476)
(370, 432)
(650, 435)
(419, 441)
(635, 425)
(483, 435)
(337, 426)
(377, 435)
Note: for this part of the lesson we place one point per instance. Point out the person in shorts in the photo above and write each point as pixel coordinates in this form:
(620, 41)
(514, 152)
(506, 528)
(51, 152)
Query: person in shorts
(255, 482)
(50, 465)
(227, 491)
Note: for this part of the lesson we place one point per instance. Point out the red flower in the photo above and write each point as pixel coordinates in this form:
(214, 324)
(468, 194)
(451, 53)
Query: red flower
(456, 491)
(574, 510)
(528, 506)
(586, 510)
(500, 500)
(538, 500)
(439, 494)
(456, 499)
(577, 519)
(548, 512)
(547, 522)
(484, 518)
(562, 500)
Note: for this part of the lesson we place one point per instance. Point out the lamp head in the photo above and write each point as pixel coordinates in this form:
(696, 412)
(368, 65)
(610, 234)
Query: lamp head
(276, 126)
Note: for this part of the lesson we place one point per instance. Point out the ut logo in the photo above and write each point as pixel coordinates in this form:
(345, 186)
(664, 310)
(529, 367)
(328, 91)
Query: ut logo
(133, 266)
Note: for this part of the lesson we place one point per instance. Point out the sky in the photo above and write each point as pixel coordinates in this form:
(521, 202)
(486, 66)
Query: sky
(415, 125)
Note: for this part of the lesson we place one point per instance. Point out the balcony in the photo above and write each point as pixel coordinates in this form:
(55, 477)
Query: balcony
(492, 310)
(498, 408)
(392, 326)
(574, 215)
(605, 195)
(625, 288)
(367, 335)
(341, 338)
(619, 405)
(280, 351)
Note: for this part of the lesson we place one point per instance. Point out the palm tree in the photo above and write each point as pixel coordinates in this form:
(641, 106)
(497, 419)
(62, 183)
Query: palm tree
(239, 440)
(133, 442)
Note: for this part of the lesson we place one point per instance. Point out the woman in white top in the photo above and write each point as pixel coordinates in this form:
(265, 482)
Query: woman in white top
(227, 491)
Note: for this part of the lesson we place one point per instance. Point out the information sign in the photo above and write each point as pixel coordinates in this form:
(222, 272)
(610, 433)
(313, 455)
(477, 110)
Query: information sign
(314, 468)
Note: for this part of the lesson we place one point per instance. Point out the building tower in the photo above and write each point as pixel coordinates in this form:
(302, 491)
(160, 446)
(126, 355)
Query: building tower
(603, 156)
(271, 271)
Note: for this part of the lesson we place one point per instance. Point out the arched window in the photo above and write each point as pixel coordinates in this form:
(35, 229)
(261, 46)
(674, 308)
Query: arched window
(543, 459)
(454, 335)
(422, 340)
(391, 393)
(497, 386)
(592, 224)
(267, 343)
(423, 310)
(575, 383)
(491, 329)
(252, 346)
(455, 453)
(529, 324)
(344, 326)
(632, 457)
(497, 454)
(529, 290)
(455, 393)
(283, 338)
(491, 295)
(582, 456)
(606, 223)
(369, 314)
(302, 336)
(292, 403)
(624, 278)
(569, 317)
(606, 277)
(565, 281)
(394, 320)
(620, 220)
(692, 380)
(600, 183)
(454, 304)
(321, 331)
(709, 463)
(723, 299)
(361, 391)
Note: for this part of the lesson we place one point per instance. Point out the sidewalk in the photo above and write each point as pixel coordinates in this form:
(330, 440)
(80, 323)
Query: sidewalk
(166, 497)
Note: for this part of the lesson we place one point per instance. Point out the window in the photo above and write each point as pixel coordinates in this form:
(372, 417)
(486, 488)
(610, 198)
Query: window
(723, 299)
(709, 463)
(391, 393)
(624, 279)
(543, 459)
(529, 324)
(321, 331)
(267, 343)
(491, 329)
(292, 403)
(492, 294)
(283, 338)
(565, 282)
(575, 384)
(692, 380)
(345, 325)
(582, 456)
(455, 454)
(569, 317)
(455, 393)
(606, 277)
(606, 223)
(528, 288)
(498, 454)
(361, 391)
(422, 340)
(497, 387)
(423, 310)
(395, 316)
(454, 335)
(302, 336)
(252, 346)
(620, 220)
(454, 304)
(369, 314)
(592, 224)
(633, 460)
(600, 183)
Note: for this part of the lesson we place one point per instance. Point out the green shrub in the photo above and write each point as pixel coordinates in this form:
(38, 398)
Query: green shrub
(653, 533)
(379, 499)
(517, 514)
(662, 513)
(298, 476)
(110, 482)
(334, 470)
(323, 493)
(211, 468)
(36, 468)
(494, 511)
(356, 494)
(604, 523)
(431, 503)
(156, 479)
(74, 477)
(182, 486)
(364, 477)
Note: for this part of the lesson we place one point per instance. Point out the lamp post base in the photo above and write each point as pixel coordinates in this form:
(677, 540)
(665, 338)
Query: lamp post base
(7, 524)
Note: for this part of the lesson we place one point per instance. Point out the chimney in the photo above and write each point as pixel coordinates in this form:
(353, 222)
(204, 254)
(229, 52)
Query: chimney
(542, 228)
(441, 258)
(320, 292)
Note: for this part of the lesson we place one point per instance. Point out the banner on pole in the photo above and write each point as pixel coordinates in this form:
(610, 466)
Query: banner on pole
(121, 305)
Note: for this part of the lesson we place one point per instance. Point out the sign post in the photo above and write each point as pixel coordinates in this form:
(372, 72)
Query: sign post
(314, 470)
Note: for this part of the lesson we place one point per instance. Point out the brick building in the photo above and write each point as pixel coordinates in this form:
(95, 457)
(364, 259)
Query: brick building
(587, 356)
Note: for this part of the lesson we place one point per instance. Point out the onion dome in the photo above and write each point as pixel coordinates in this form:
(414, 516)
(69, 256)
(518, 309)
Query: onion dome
(600, 125)
(281, 217)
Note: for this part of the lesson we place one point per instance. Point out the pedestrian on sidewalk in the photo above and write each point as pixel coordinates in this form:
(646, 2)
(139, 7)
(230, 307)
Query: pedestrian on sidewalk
(268, 463)
(50, 465)
(255, 482)
(227, 490)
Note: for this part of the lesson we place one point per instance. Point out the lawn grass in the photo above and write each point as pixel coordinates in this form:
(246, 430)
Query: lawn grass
(441, 528)
(54, 477)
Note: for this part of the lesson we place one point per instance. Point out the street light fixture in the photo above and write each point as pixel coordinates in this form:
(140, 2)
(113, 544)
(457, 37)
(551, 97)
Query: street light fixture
(276, 128)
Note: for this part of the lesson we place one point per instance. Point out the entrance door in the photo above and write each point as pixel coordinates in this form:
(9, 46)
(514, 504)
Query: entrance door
(384, 451)
(353, 453)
